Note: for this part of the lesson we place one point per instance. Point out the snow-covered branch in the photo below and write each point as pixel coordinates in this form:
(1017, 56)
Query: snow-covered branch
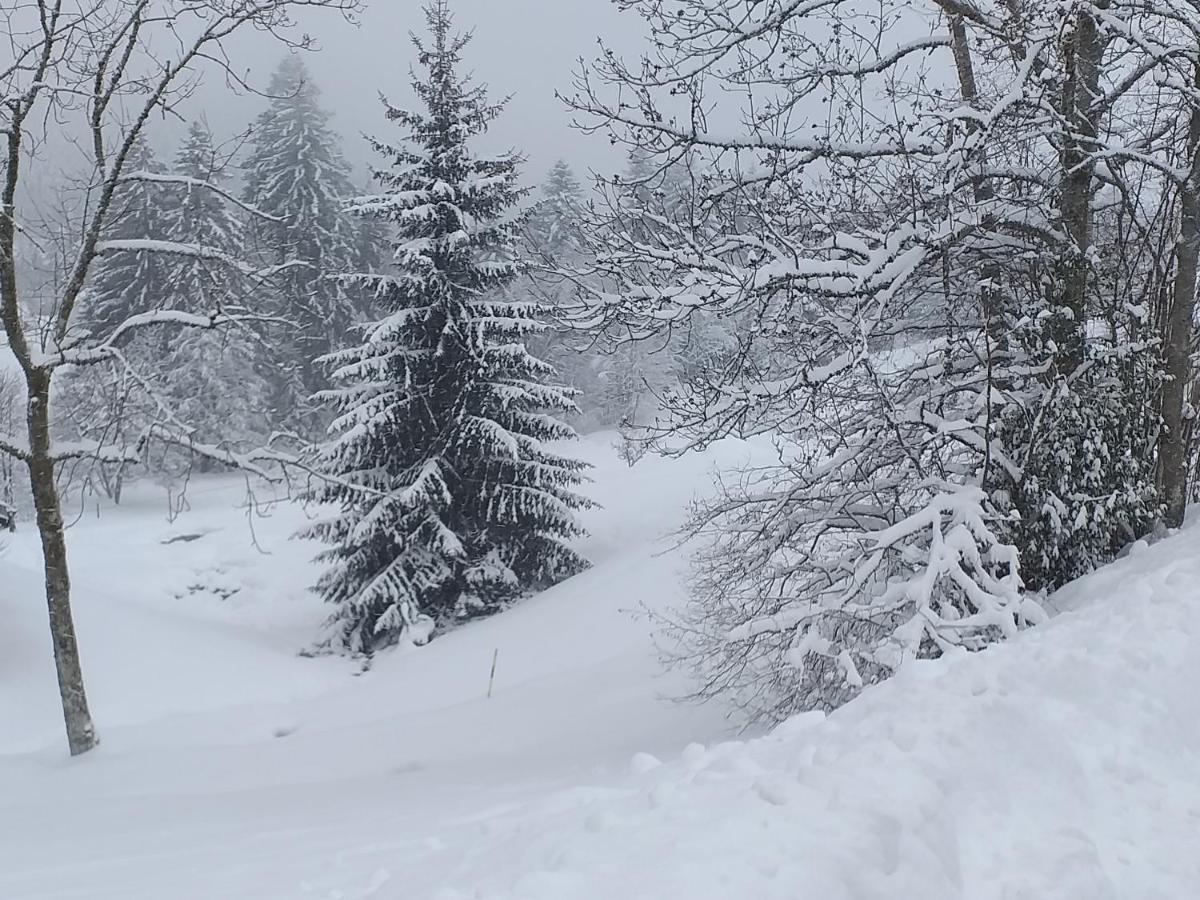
(162, 178)
(202, 252)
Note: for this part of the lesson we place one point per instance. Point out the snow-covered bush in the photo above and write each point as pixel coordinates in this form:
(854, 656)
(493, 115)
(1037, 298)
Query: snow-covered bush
(811, 582)
(1087, 487)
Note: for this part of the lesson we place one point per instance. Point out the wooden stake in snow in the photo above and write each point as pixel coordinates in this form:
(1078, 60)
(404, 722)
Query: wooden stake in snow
(492, 677)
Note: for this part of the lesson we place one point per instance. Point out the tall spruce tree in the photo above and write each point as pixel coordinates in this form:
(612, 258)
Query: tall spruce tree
(451, 504)
(123, 284)
(296, 174)
(212, 378)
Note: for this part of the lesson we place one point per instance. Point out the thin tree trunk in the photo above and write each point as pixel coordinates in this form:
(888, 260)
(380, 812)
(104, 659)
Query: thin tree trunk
(81, 733)
(1177, 356)
(990, 296)
(1082, 51)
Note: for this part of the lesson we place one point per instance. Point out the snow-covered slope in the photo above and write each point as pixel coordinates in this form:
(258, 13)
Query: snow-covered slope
(1063, 765)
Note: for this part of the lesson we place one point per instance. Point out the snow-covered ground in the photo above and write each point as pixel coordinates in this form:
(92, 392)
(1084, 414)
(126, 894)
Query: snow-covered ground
(1063, 765)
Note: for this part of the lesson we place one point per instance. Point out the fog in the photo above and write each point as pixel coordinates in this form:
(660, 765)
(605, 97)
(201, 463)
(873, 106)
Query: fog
(526, 49)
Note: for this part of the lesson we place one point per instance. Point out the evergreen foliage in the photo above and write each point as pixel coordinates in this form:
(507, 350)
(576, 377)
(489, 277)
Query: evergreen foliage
(107, 405)
(212, 379)
(450, 502)
(123, 284)
(554, 234)
(296, 174)
(206, 383)
(555, 225)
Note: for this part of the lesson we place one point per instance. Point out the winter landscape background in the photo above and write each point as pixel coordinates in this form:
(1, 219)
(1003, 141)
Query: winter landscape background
(701, 448)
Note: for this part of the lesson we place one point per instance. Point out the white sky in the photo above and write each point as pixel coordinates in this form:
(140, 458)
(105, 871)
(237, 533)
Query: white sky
(523, 48)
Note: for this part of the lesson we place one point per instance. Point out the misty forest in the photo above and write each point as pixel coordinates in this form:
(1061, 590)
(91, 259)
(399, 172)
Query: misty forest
(764, 472)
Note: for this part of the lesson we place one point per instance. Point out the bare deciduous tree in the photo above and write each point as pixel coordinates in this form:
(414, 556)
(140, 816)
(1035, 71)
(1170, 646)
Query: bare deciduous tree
(85, 76)
(962, 236)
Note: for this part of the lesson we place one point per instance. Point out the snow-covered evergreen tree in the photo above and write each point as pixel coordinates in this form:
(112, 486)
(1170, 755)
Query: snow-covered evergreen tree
(556, 240)
(106, 405)
(554, 226)
(451, 504)
(128, 283)
(214, 377)
(296, 174)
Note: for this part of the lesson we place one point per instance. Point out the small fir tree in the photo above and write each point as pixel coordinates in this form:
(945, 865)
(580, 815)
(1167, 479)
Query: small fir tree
(451, 504)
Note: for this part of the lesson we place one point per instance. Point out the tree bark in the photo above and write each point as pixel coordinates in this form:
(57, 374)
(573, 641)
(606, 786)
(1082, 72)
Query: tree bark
(1177, 350)
(991, 297)
(1082, 52)
(81, 733)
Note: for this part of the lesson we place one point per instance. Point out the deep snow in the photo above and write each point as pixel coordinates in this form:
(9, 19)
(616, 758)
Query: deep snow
(1062, 765)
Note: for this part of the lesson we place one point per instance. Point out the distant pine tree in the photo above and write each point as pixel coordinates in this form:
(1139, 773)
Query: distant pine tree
(296, 173)
(451, 503)
(555, 236)
(554, 226)
(212, 378)
(122, 284)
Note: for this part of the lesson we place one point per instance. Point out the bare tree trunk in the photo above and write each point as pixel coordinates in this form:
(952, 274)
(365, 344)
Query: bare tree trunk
(81, 733)
(1083, 49)
(990, 296)
(1177, 355)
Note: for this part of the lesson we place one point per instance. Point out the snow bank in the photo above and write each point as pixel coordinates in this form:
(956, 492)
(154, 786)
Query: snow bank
(1061, 765)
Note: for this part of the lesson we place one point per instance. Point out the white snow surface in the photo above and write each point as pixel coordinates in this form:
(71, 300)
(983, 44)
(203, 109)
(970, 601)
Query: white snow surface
(1062, 765)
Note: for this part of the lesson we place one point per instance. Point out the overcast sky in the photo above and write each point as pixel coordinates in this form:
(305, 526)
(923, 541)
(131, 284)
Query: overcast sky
(526, 48)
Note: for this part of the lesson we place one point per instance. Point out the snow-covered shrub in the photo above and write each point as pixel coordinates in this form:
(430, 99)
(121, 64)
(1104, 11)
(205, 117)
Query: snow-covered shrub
(1088, 482)
(804, 592)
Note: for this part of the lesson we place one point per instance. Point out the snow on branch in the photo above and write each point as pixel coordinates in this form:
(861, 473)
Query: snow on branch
(196, 251)
(268, 463)
(107, 349)
(199, 183)
(10, 445)
(263, 462)
(62, 451)
(805, 594)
